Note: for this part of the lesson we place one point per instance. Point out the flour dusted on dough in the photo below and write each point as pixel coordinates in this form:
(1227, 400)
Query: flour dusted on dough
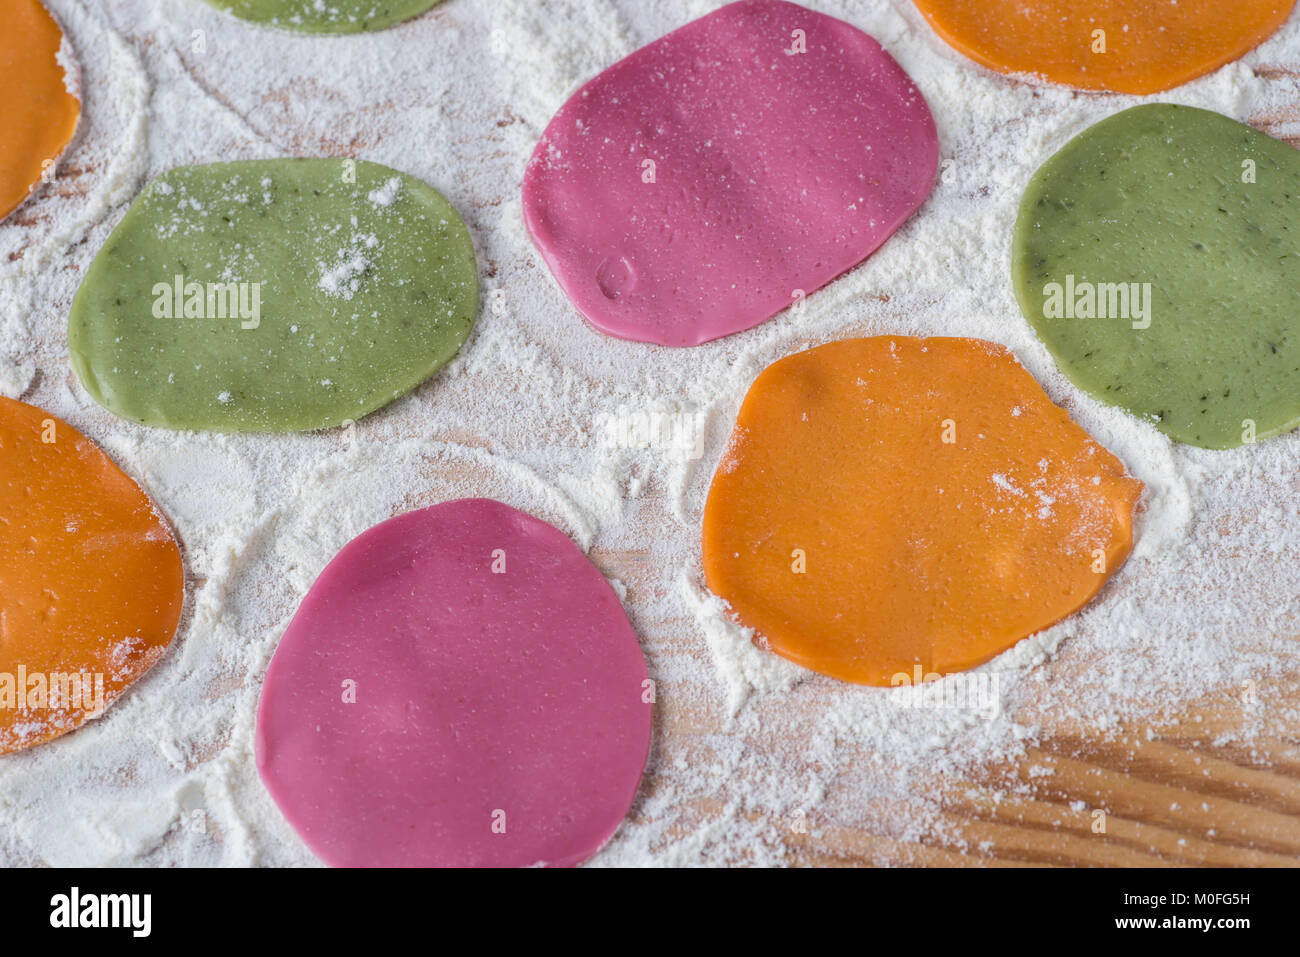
(458, 98)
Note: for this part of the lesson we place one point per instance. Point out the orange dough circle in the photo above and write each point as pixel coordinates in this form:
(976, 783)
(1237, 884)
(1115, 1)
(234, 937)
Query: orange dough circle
(1149, 46)
(941, 507)
(91, 581)
(37, 113)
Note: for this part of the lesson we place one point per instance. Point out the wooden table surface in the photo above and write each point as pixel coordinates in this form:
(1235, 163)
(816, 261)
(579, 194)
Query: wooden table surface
(1151, 795)
(1170, 797)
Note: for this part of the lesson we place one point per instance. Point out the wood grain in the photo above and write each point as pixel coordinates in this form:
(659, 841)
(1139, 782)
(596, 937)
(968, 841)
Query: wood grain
(1171, 796)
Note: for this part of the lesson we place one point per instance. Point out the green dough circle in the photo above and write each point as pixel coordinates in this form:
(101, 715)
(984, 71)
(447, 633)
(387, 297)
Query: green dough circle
(311, 292)
(1202, 208)
(325, 16)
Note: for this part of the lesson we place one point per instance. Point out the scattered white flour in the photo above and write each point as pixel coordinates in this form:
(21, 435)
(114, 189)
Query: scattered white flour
(387, 194)
(67, 59)
(343, 276)
(748, 746)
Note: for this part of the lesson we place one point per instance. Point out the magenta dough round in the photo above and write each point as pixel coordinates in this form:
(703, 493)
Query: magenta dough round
(712, 178)
(460, 688)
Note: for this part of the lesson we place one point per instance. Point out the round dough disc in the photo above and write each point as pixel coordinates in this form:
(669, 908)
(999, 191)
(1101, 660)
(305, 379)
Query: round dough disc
(1128, 46)
(272, 296)
(330, 16)
(897, 507)
(460, 687)
(91, 580)
(1155, 255)
(720, 174)
(38, 114)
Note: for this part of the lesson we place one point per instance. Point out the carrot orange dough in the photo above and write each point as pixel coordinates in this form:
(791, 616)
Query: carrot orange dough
(91, 583)
(37, 113)
(897, 502)
(1129, 46)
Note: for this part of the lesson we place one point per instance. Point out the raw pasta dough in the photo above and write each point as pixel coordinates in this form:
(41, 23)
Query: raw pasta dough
(460, 687)
(1155, 255)
(1129, 46)
(720, 174)
(326, 16)
(898, 506)
(91, 582)
(273, 295)
(38, 114)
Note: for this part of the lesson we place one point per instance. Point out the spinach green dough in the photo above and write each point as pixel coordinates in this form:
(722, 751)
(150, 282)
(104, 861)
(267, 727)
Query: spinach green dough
(325, 16)
(273, 295)
(1157, 255)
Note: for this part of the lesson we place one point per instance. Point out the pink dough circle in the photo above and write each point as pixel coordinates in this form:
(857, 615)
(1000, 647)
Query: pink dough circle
(714, 177)
(501, 713)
